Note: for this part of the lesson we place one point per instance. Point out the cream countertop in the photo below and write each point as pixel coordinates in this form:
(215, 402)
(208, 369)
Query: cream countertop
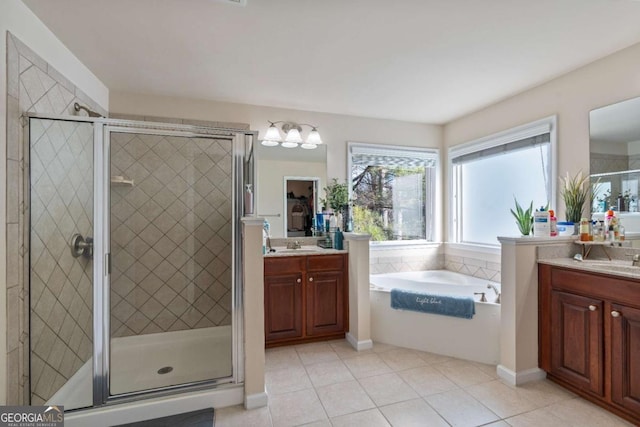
(282, 251)
(615, 267)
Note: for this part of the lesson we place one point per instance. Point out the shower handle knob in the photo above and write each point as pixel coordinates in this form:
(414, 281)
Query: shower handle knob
(81, 246)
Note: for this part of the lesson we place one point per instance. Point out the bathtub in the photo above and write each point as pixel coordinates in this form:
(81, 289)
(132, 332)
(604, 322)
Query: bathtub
(476, 339)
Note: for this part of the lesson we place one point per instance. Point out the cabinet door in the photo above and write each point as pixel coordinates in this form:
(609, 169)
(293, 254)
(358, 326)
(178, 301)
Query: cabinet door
(625, 357)
(577, 340)
(283, 306)
(325, 302)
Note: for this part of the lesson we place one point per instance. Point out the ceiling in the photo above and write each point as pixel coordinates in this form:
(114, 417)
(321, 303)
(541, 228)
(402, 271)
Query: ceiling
(427, 61)
(617, 123)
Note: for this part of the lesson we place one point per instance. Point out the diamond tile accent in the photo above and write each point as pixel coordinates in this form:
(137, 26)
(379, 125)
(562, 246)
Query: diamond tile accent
(171, 233)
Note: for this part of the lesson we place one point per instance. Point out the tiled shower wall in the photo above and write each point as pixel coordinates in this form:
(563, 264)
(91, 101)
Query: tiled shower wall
(61, 162)
(170, 233)
(32, 86)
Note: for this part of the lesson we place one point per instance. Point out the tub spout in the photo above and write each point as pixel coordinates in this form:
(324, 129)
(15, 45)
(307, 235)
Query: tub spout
(492, 286)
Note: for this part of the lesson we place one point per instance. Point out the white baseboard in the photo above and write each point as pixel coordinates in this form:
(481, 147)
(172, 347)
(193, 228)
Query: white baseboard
(358, 345)
(257, 400)
(522, 377)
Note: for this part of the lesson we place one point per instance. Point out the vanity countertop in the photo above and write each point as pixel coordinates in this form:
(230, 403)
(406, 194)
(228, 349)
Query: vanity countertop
(282, 251)
(615, 267)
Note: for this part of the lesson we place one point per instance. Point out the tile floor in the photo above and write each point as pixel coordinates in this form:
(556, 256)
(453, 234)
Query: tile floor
(330, 384)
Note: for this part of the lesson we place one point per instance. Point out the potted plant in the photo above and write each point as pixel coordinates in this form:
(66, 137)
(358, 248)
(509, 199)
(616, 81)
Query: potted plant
(524, 218)
(337, 198)
(574, 192)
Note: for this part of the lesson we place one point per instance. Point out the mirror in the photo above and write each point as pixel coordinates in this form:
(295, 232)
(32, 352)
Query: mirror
(282, 193)
(614, 148)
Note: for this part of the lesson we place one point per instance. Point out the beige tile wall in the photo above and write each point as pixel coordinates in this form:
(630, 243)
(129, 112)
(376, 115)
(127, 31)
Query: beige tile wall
(474, 267)
(61, 161)
(397, 260)
(32, 86)
(171, 234)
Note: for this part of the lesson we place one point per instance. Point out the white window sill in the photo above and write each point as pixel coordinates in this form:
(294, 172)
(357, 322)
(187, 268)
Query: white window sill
(466, 249)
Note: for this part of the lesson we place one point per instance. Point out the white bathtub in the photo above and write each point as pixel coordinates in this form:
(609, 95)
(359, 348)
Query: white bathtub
(476, 339)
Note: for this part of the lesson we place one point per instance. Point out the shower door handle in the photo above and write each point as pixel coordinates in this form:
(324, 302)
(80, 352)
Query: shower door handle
(81, 246)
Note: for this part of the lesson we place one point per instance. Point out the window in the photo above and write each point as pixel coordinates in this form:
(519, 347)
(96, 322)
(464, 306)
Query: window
(487, 174)
(393, 192)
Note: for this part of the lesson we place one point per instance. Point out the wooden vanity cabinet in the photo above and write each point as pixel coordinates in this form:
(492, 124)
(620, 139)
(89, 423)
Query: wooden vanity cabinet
(589, 336)
(306, 298)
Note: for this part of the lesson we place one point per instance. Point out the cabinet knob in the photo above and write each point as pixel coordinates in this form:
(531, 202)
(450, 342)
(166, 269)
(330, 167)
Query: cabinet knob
(299, 280)
(592, 307)
(615, 313)
(311, 279)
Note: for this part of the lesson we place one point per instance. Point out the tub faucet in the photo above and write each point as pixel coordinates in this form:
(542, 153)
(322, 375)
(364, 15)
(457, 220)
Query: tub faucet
(492, 286)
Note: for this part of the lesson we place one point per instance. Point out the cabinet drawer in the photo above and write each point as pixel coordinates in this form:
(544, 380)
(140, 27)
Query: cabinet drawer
(281, 265)
(325, 262)
(596, 285)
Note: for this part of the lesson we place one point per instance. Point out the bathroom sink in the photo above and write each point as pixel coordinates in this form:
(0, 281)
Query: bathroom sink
(619, 266)
(302, 250)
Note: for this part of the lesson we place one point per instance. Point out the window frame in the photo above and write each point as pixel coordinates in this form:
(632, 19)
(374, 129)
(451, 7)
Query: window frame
(434, 191)
(455, 222)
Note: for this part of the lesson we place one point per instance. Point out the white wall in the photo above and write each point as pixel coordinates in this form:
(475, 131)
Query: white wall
(571, 96)
(335, 129)
(19, 20)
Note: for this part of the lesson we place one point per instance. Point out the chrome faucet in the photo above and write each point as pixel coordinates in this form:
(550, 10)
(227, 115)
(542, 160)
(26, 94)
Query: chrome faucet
(293, 245)
(492, 286)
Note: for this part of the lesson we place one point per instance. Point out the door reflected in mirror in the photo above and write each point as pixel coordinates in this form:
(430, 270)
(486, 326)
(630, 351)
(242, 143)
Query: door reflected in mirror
(289, 210)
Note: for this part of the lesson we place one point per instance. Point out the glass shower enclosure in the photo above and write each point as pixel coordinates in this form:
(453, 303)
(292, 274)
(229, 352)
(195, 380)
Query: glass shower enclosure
(134, 269)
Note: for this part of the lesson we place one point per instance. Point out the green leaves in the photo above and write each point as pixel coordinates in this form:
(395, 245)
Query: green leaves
(574, 192)
(524, 219)
(337, 195)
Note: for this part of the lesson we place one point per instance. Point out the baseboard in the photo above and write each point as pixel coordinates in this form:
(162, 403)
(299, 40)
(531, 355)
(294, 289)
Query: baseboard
(257, 400)
(522, 377)
(358, 345)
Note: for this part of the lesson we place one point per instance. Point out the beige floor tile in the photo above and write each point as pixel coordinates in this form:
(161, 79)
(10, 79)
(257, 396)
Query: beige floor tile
(536, 418)
(286, 380)
(460, 409)
(323, 423)
(281, 357)
(237, 416)
(507, 401)
(487, 369)
(325, 373)
(387, 389)
(427, 380)
(343, 349)
(315, 353)
(370, 418)
(400, 359)
(296, 408)
(497, 424)
(413, 413)
(433, 358)
(379, 347)
(344, 398)
(583, 413)
(367, 365)
(463, 373)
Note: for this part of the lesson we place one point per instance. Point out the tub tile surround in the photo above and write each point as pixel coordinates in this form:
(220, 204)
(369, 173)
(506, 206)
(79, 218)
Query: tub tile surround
(402, 393)
(393, 260)
(32, 86)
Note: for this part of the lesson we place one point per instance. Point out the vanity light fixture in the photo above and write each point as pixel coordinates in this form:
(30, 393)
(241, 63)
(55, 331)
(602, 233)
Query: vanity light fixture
(293, 136)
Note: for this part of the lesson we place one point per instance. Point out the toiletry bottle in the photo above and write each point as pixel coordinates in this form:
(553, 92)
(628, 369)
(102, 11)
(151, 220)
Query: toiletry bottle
(248, 200)
(338, 240)
(584, 230)
(621, 231)
(265, 235)
(553, 222)
(328, 244)
(621, 206)
(541, 226)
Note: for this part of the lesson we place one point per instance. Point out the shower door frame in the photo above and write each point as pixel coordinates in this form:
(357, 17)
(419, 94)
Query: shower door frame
(240, 141)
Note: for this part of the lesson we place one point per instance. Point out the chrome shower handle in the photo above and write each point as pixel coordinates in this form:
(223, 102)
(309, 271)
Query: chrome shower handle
(81, 246)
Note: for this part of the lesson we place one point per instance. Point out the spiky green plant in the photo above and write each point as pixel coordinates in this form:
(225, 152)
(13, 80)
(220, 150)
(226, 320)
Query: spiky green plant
(574, 192)
(524, 218)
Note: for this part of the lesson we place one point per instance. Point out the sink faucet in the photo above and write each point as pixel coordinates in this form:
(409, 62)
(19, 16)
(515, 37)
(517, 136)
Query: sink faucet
(293, 245)
(636, 260)
(492, 286)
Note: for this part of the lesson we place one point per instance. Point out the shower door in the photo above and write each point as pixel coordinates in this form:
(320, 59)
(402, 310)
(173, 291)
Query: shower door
(60, 187)
(171, 226)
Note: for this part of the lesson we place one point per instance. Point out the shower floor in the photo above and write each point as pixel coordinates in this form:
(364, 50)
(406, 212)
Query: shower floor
(193, 355)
